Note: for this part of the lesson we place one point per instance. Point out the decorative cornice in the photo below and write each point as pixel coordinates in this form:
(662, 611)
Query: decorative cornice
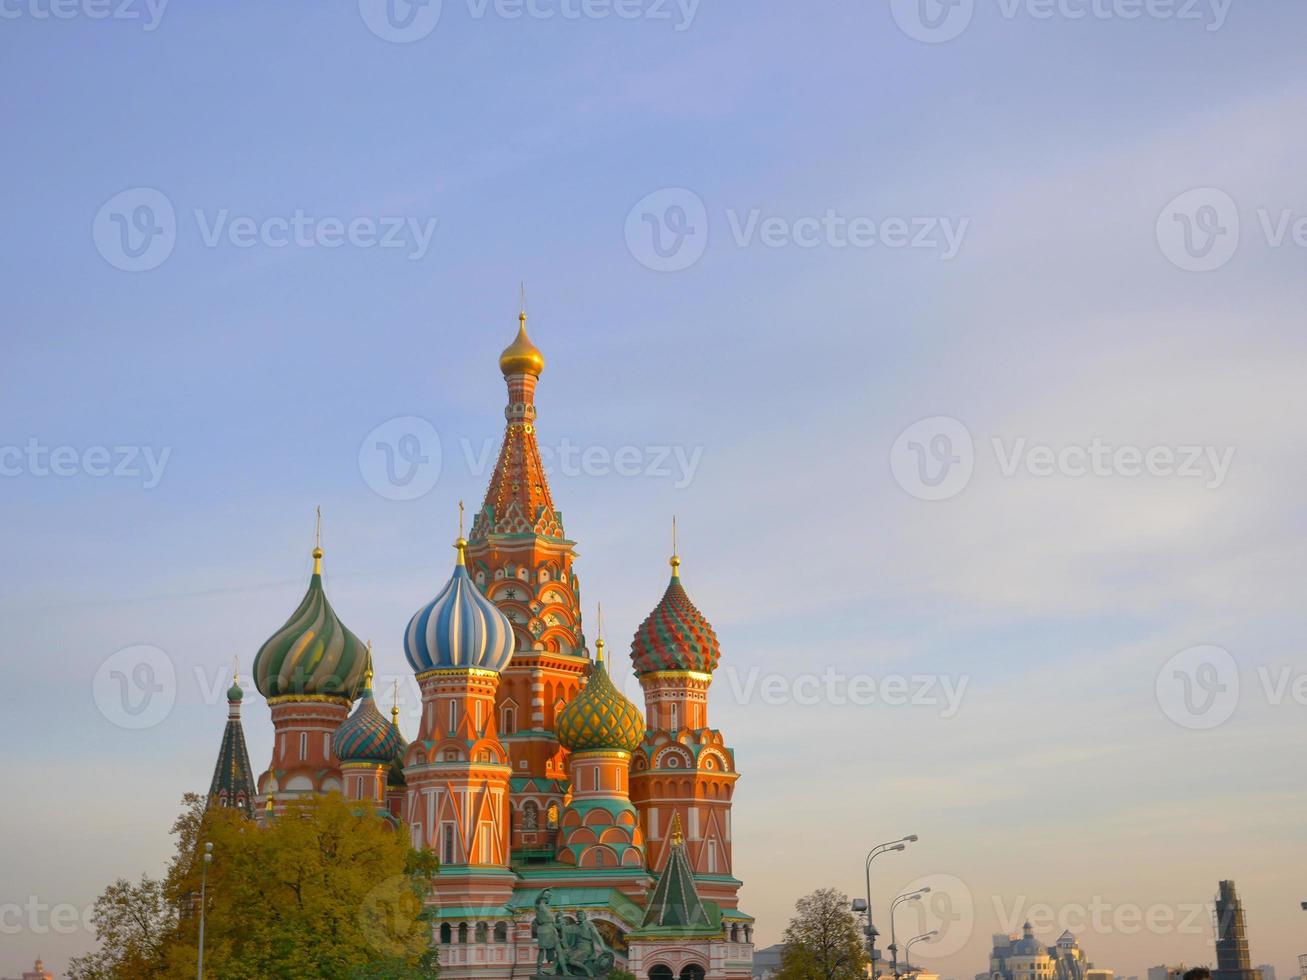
(309, 699)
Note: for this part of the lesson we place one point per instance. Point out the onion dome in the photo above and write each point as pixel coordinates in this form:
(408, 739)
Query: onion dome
(313, 654)
(366, 736)
(521, 356)
(234, 693)
(600, 717)
(675, 636)
(459, 628)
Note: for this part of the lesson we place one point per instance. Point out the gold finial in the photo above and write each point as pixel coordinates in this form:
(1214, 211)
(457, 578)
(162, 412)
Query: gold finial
(599, 642)
(460, 545)
(394, 705)
(677, 839)
(367, 674)
(317, 546)
(268, 805)
(675, 560)
(235, 669)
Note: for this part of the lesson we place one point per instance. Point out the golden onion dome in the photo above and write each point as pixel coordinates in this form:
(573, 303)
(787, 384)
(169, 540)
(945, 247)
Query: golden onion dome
(521, 356)
(600, 717)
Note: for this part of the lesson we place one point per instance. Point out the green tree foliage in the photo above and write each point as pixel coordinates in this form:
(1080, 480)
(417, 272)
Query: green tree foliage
(326, 890)
(822, 941)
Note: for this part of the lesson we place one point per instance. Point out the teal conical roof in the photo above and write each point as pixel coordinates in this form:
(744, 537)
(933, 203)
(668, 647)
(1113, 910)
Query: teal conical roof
(233, 779)
(675, 903)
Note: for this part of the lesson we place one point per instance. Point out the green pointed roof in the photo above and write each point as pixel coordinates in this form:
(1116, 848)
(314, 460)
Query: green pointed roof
(233, 778)
(675, 903)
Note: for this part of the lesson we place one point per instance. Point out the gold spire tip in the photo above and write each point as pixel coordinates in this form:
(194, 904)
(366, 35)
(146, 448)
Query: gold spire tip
(317, 546)
(677, 839)
(675, 560)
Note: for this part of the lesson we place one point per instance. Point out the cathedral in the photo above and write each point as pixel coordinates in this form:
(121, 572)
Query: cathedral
(532, 778)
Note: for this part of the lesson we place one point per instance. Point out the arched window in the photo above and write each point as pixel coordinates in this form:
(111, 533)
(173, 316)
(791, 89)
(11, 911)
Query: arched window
(530, 815)
(661, 972)
(462, 932)
(691, 971)
(446, 933)
(735, 932)
(483, 932)
(501, 932)
(510, 722)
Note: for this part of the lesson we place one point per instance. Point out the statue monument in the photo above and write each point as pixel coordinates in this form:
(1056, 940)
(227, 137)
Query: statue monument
(564, 948)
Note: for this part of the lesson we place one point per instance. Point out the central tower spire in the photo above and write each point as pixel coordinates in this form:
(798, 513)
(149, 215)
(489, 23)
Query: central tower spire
(520, 557)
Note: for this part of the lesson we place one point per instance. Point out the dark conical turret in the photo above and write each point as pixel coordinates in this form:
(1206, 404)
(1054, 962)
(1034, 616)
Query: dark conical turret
(233, 779)
(675, 903)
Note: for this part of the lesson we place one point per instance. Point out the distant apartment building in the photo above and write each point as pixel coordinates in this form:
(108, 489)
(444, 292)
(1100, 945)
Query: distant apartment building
(1233, 961)
(1167, 972)
(1266, 970)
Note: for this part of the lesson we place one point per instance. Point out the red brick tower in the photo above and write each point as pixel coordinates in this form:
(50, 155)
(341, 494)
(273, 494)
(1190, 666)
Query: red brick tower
(520, 558)
(683, 768)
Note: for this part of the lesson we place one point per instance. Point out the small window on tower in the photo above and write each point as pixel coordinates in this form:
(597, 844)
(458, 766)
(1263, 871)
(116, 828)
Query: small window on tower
(304, 746)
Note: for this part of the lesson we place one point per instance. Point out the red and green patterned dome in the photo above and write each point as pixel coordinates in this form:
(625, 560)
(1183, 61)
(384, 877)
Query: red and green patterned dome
(675, 636)
(600, 718)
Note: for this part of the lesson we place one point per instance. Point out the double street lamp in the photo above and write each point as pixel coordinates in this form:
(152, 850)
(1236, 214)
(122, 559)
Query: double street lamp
(907, 948)
(912, 896)
(875, 852)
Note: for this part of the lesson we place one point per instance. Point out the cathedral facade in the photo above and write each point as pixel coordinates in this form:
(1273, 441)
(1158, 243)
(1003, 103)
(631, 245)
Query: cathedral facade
(530, 774)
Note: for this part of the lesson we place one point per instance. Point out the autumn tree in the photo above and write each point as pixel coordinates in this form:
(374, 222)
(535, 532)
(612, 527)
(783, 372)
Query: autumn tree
(328, 889)
(822, 941)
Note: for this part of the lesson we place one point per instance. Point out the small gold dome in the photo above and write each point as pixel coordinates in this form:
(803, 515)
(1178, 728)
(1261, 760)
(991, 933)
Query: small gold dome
(521, 356)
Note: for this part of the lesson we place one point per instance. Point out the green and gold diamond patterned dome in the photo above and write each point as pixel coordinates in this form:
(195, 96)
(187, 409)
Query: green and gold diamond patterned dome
(600, 718)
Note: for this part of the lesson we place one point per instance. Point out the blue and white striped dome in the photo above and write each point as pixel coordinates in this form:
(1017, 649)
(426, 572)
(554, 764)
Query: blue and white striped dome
(459, 628)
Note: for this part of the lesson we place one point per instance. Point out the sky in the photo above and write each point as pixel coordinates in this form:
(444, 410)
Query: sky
(964, 340)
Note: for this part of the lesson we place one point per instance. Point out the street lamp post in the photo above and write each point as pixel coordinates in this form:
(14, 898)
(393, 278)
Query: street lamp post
(204, 875)
(879, 849)
(893, 941)
(907, 948)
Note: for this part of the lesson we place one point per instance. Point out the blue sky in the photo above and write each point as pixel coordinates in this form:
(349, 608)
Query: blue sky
(786, 364)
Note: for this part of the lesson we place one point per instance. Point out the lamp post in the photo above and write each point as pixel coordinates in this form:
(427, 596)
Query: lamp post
(893, 941)
(879, 849)
(204, 876)
(907, 948)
